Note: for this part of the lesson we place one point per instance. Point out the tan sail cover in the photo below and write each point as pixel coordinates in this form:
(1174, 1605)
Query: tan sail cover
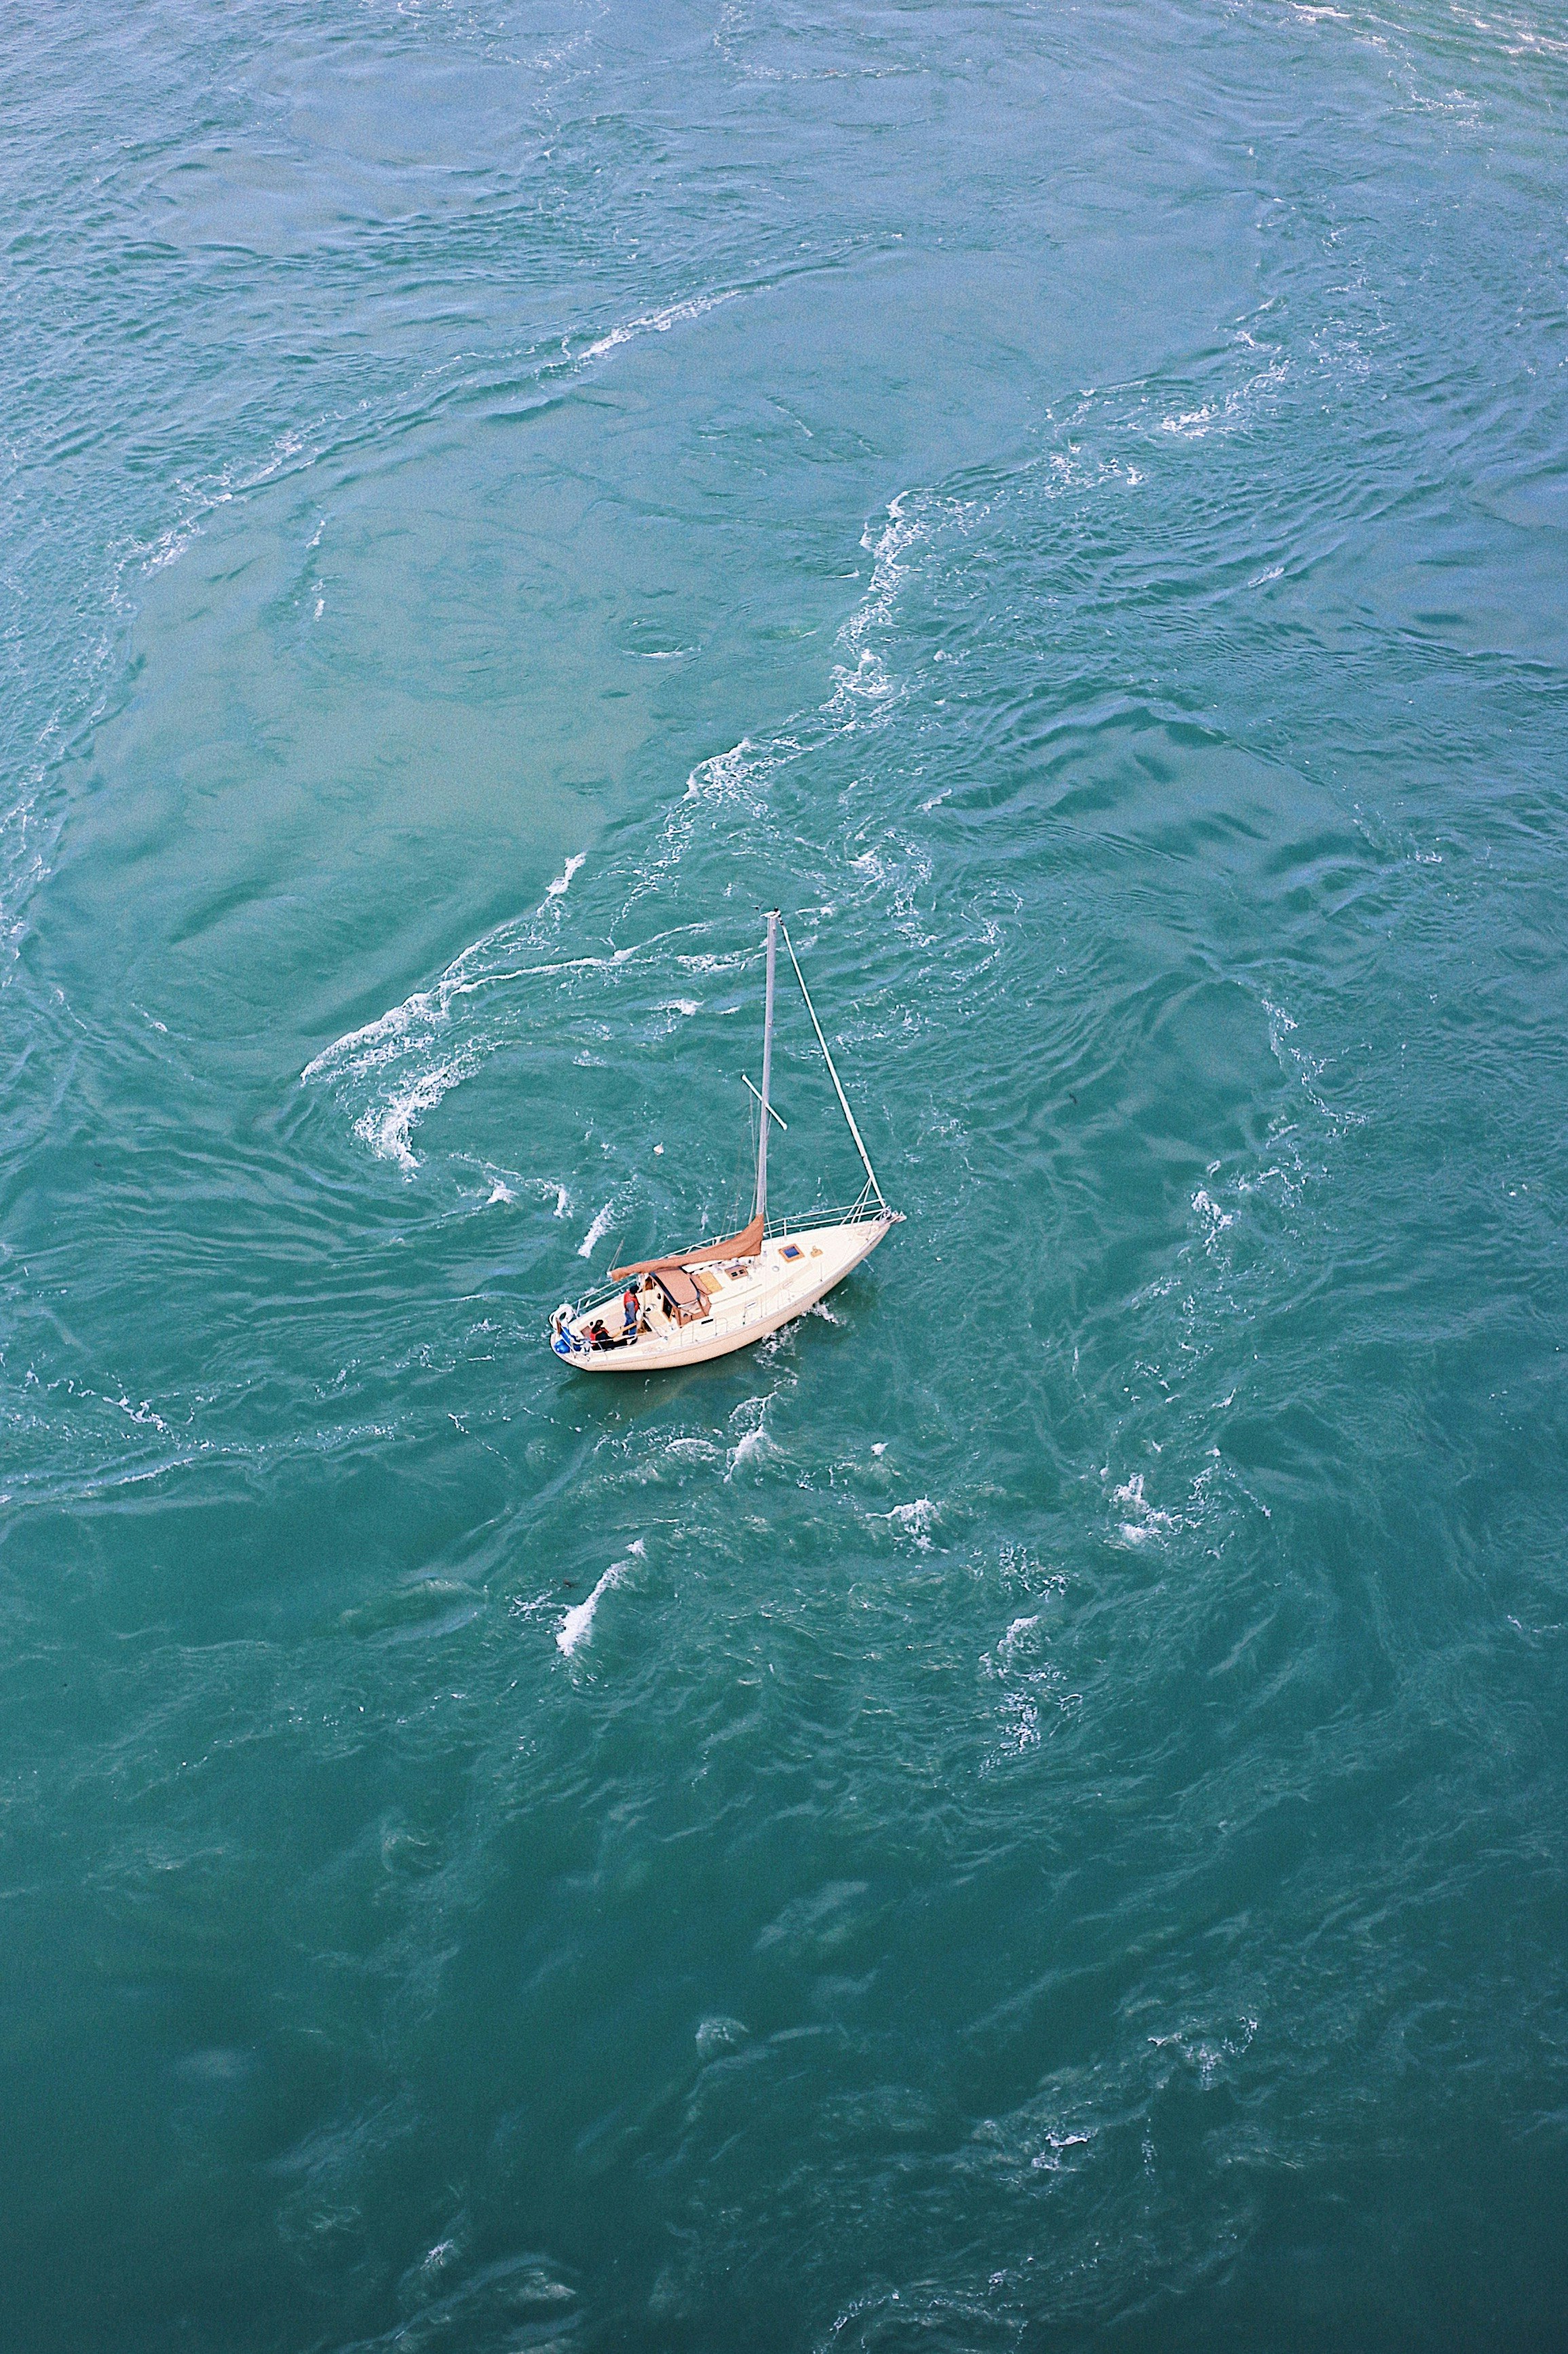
(745, 1245)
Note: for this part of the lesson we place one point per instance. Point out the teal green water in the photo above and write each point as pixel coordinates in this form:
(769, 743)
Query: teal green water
(1051, 1832)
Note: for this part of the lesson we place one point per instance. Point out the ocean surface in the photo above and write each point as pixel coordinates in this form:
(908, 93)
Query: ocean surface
(1029, 1812)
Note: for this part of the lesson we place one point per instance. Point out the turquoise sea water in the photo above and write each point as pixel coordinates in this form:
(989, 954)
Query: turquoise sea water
(1050, 1834)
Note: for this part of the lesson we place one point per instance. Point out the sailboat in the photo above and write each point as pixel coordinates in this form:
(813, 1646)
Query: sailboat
(732, 1291)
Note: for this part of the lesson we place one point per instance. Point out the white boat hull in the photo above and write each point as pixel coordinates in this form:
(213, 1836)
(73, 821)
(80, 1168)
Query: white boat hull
(752, 1297)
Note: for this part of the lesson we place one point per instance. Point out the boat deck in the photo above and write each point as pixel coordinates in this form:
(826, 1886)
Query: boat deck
(744, 1298)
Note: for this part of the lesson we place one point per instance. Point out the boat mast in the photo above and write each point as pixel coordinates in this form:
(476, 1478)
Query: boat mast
(833, 1074)
(761, 1209)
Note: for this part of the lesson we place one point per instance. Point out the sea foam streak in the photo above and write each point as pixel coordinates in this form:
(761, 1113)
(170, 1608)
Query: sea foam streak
(406, 1060)
(394, 1070)
(863, 675)
(658, 322)
(733, 789)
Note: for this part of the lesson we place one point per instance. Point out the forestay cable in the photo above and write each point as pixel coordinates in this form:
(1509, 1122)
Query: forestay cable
(843, 1100)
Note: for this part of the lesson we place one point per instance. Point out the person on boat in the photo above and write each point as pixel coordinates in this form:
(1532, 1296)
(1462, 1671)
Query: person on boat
(598, 1334)
(630, 1308)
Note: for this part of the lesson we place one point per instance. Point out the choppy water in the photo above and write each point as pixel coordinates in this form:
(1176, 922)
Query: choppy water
(1027, 1813)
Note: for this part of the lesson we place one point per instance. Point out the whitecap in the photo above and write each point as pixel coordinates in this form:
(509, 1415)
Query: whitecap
(713, 964)
(1209, 1210)
(362, 1048)
(549, 1190)
(143, 1413)
(701, 1450)
(753, 1443)
(1019, 1628)
(563, 882)
(575, 1626)
(387, 1128)
(169, 547)
(1143, 1520)
(861, 677)
(1191, 422)
(1049, 2159)
(596, 1232)
(716, 2035)
(1023, 1731)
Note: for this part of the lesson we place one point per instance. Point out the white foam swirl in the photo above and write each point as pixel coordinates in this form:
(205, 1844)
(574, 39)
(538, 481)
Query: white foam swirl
(578, 1624)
